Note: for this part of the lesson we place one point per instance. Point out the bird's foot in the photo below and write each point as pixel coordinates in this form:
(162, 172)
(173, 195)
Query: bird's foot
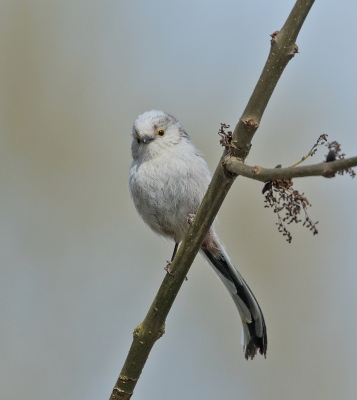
(167, 268)
(191, 218)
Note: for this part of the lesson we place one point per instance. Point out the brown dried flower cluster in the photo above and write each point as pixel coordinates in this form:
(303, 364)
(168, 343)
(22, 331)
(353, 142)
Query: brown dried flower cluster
(226, 138)
(320, 141)
(335, 152)
(281, 196)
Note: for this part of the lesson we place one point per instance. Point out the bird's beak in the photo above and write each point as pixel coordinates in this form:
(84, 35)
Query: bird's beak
(147, 139)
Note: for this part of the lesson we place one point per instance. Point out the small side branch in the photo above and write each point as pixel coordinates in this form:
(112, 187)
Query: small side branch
(326, 169)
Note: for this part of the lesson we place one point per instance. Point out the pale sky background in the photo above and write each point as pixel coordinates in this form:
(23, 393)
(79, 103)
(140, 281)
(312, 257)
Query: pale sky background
(79, 269)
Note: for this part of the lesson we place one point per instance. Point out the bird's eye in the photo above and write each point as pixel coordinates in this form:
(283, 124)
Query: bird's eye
(160, 132)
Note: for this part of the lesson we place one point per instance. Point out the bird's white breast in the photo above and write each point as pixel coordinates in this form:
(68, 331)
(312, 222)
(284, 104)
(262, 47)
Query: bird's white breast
(167, 188)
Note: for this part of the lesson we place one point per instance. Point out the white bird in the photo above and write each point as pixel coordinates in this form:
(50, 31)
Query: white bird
(167, 181)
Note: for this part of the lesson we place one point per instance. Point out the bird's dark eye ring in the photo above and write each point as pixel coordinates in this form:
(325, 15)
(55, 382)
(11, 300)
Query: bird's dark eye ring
(138, 140)
(160, 132)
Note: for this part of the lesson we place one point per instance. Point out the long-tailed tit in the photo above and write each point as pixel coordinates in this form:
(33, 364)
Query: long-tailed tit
(168, 179)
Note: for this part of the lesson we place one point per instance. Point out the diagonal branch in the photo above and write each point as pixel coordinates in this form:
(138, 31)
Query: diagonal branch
(282, 50)
(326, 169)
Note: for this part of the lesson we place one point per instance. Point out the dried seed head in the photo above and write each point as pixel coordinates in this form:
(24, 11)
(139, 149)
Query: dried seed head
(226, 138)
(281, 197)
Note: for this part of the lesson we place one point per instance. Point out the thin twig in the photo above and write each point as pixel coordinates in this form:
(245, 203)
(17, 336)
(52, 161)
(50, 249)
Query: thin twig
(326, 169)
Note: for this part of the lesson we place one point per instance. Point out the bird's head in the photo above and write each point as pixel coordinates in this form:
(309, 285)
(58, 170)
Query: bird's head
(154, 132)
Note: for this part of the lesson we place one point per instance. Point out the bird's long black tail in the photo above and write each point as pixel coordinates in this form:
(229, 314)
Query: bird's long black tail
(254, 329)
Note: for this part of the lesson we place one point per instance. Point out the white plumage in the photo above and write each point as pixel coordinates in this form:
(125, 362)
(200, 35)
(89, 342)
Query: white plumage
(168, 179)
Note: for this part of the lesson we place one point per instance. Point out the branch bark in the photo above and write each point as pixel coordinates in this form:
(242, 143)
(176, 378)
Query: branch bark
(282, 50)
(326, 169)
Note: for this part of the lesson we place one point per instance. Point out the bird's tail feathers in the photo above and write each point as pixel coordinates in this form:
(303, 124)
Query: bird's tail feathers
(254, 336)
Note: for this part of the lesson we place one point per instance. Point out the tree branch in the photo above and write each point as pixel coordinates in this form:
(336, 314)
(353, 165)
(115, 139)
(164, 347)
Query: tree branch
(282, 49)
(145, 335)
(326, 169)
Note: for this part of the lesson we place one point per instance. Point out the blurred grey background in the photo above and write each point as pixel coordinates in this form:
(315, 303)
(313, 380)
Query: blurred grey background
(79, 268)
